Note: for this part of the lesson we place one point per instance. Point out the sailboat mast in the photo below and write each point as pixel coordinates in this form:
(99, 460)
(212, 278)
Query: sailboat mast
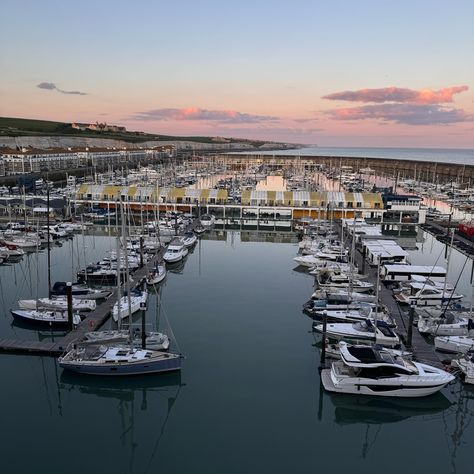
(48, 243)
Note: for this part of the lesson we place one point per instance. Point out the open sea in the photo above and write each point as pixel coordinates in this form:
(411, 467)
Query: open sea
(461, 156)
(248, 399)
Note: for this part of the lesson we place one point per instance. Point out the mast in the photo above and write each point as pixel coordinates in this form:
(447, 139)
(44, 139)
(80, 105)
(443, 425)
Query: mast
(49, 246)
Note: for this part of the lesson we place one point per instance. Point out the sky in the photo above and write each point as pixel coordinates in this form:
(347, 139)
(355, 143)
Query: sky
(332, 73)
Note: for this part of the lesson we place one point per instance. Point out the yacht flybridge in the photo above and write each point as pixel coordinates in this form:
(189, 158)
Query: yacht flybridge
(368, 370)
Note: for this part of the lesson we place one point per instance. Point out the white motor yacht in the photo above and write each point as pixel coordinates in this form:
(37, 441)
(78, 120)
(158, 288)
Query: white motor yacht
(175, 252)
(366, 370)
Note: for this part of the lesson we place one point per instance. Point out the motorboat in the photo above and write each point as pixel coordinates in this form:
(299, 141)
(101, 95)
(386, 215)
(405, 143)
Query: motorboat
(58, 303)
(189, 239)
(199, 229)
(175, 252)
(454, 344)
(118, 360)
(350, 315)
(80, 291)
(137, 298)
(422, 294)
(157, 275)
(465, 364)
(332, 281)
(207, 220)
(368, 331)
(369, 370)
(343, 295)
(437, 322)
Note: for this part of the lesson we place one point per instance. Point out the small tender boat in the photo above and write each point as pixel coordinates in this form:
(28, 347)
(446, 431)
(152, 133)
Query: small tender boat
(367, 370)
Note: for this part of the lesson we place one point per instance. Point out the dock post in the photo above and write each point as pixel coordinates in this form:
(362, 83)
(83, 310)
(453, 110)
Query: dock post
(69, 304)
(411, 316)
(143, 311)
(323, 349)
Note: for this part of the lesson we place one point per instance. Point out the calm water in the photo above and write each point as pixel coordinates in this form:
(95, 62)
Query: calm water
(248, 399)
(441, 155)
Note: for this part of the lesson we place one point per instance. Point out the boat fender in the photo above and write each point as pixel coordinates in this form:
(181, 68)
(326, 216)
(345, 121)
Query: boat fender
(91, 324)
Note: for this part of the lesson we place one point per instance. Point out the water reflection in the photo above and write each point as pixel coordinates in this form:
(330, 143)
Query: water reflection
(134, 397)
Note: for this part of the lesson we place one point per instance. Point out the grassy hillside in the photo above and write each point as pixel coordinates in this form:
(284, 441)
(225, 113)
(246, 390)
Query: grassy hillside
(16, 127)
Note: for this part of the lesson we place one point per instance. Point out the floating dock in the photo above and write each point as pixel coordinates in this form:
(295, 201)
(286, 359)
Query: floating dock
(93, 320)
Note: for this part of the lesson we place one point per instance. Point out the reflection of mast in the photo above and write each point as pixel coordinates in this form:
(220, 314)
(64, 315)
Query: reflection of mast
(462, 419)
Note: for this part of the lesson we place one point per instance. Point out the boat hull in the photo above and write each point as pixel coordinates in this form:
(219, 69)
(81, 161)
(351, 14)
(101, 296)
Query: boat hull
(167, 364)
(379, 390)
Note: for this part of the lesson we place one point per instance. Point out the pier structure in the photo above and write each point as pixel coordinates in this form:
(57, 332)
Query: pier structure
(436, 171)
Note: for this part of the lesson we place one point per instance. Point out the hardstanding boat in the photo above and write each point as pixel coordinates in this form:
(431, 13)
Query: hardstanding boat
(367, 370)
(118, 360)
(367, 331)
(175, 252)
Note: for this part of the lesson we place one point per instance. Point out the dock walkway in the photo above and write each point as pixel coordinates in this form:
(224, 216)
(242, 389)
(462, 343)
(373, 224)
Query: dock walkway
(422, 350)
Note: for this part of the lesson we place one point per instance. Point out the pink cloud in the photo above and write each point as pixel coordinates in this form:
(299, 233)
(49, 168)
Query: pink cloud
(195, 113)
(397, 94)
(409, 114)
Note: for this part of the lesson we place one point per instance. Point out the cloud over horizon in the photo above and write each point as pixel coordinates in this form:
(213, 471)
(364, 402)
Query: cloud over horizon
(400, 95)
(408, 114)
(198, 114)
(51, 86)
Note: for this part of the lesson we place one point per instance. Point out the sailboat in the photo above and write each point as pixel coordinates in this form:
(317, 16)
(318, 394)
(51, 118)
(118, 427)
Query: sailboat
(119, 359)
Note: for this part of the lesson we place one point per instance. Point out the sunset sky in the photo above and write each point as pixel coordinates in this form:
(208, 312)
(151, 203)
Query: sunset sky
(332, 73)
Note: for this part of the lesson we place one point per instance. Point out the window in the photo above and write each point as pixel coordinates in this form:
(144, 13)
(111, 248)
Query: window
(358, 204)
